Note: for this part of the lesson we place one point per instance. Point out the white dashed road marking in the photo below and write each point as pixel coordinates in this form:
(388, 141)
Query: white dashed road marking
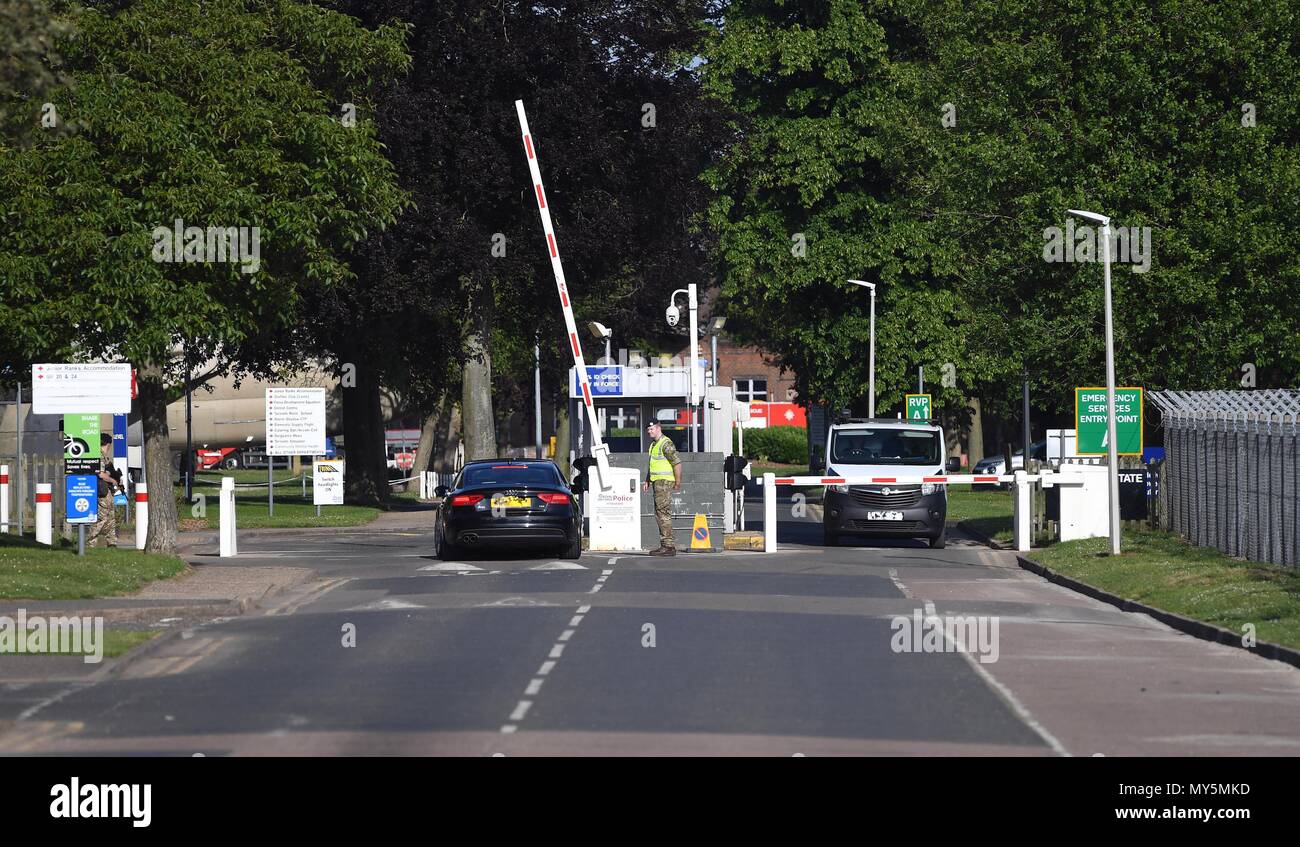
(557, 651)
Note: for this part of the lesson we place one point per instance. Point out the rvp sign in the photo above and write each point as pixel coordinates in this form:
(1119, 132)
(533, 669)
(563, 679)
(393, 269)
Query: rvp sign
(918, 407)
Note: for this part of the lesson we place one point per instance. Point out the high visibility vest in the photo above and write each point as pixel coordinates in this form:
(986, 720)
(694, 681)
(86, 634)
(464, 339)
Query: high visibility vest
(660, 468)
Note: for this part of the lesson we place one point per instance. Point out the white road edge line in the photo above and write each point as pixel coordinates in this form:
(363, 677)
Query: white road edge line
(575, 620)
(557, 651)
(520, 710)
(566, 635)
(1005, 693)
(545, 668)
(533, 687)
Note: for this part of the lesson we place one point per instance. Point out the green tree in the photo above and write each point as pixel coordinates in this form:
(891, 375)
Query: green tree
(219, 114)
(929, 146)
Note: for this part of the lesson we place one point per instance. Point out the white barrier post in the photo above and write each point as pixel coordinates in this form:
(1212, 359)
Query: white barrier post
(226, 530)
(424, 485)
(141, 514)
(44, 513)
(769, 513)
(1022, 511)
(4, 498)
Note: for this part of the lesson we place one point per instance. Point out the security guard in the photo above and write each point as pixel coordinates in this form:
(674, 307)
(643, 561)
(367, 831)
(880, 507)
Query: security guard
(666, 477)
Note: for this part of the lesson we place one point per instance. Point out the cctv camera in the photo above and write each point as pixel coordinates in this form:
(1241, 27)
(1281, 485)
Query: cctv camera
(673, 315)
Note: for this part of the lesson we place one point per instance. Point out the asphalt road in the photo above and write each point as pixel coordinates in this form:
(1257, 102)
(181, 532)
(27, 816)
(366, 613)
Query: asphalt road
(718, 653)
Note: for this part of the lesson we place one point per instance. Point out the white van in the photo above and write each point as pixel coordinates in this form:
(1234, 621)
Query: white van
(883, 448)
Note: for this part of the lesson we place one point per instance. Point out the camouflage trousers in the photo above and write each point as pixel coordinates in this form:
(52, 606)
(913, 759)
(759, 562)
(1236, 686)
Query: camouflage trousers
(663, 489)
(106, 526)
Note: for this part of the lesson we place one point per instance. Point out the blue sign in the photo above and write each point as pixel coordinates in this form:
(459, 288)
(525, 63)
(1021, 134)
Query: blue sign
(1152, 454)
(329, 447)
(606, 381)
(83, 499)
(119, 436)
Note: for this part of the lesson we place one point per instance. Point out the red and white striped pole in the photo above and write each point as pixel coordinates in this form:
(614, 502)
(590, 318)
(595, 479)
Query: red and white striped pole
(44, 513)
(599, 450)
(141, 514)
(4, 498)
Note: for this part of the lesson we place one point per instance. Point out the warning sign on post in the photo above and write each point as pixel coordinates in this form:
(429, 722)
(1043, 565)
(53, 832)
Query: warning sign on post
(68, 389)
(327, 483)
(295, 421)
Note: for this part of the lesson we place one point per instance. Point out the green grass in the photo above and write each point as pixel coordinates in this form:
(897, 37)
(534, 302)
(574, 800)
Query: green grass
(31, 571)
(116, 642)
(1161, 570)
(291, 510)
(986, 512)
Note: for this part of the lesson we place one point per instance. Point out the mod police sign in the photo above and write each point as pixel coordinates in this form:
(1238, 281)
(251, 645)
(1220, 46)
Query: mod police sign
(1091, 421)
(83, 499)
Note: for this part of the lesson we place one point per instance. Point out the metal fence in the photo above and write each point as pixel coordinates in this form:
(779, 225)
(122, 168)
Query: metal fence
(1231, 475)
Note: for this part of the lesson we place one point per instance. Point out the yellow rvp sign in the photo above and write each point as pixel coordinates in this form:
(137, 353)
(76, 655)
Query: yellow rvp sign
(918, 407)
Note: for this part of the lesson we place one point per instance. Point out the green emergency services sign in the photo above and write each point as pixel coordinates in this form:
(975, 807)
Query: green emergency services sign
(1090, 421)
(918, 407)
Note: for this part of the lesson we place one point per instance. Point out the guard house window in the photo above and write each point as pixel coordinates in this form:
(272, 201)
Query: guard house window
(622, 428)
(750, 390)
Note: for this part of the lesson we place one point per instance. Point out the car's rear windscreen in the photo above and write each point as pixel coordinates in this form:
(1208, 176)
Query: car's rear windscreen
(510, 476)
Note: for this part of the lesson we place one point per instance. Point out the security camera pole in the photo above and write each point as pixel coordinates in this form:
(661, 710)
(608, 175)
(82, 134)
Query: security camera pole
(599, 450)
(1112, 449)
(697, 389)
(871, 367)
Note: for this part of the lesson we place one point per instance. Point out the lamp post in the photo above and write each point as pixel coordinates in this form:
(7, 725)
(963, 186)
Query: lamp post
(1112, 450)
(601, 331)
(871, 367)
(674, 315)
(716, 323)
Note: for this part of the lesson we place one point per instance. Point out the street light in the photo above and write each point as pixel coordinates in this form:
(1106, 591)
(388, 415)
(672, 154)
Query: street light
(871, 378)
(673, 315)
(716, 323)
(601, 331)
(1112, 450)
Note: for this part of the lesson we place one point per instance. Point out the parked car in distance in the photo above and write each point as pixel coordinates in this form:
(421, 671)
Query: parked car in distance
(997, 464)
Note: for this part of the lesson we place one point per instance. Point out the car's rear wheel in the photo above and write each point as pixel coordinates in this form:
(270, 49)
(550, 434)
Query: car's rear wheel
(574, 550)
(938, 541)
(446, 550)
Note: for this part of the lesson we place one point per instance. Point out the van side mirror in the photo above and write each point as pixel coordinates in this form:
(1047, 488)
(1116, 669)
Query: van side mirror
(954, 464)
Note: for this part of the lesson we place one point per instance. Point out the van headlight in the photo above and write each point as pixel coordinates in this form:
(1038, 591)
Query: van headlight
(839, 489)
(928, 488)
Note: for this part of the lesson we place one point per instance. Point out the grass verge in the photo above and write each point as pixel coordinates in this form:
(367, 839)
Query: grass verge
(987, 513)
(292, 510)
(1162, 570)
(116, 642)
(31, 571)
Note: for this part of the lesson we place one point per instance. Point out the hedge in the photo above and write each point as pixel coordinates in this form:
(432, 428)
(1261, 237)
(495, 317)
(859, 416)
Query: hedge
(787, 445)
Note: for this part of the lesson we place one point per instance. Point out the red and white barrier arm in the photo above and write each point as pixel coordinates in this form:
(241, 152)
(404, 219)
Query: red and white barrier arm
(948, 479)
(599, 450)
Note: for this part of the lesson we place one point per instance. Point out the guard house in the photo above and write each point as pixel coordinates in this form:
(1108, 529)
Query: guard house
(629, 397)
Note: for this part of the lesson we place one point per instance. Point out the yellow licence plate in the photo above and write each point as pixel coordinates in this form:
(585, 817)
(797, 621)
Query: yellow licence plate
(513, 502)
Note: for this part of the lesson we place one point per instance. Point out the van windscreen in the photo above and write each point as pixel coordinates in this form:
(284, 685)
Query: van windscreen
(885, 447)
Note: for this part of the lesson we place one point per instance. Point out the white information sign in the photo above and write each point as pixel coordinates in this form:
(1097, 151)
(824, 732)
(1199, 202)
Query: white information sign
(327, 482)
(71, 389)
(295, 421)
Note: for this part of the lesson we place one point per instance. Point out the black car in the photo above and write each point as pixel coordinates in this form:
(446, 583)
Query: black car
(508, 502)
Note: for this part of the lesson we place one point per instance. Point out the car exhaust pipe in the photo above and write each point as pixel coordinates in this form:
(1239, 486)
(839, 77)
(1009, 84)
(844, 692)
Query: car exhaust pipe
(468, 537)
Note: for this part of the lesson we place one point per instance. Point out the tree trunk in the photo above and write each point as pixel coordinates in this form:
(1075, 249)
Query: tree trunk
(162, 535)
(476, 387)
(562, 434)
(365, 480)
(976, 438)
(427, 452)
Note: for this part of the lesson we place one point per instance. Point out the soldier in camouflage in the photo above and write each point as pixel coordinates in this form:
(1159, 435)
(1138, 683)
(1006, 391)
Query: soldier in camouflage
(665, 477)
